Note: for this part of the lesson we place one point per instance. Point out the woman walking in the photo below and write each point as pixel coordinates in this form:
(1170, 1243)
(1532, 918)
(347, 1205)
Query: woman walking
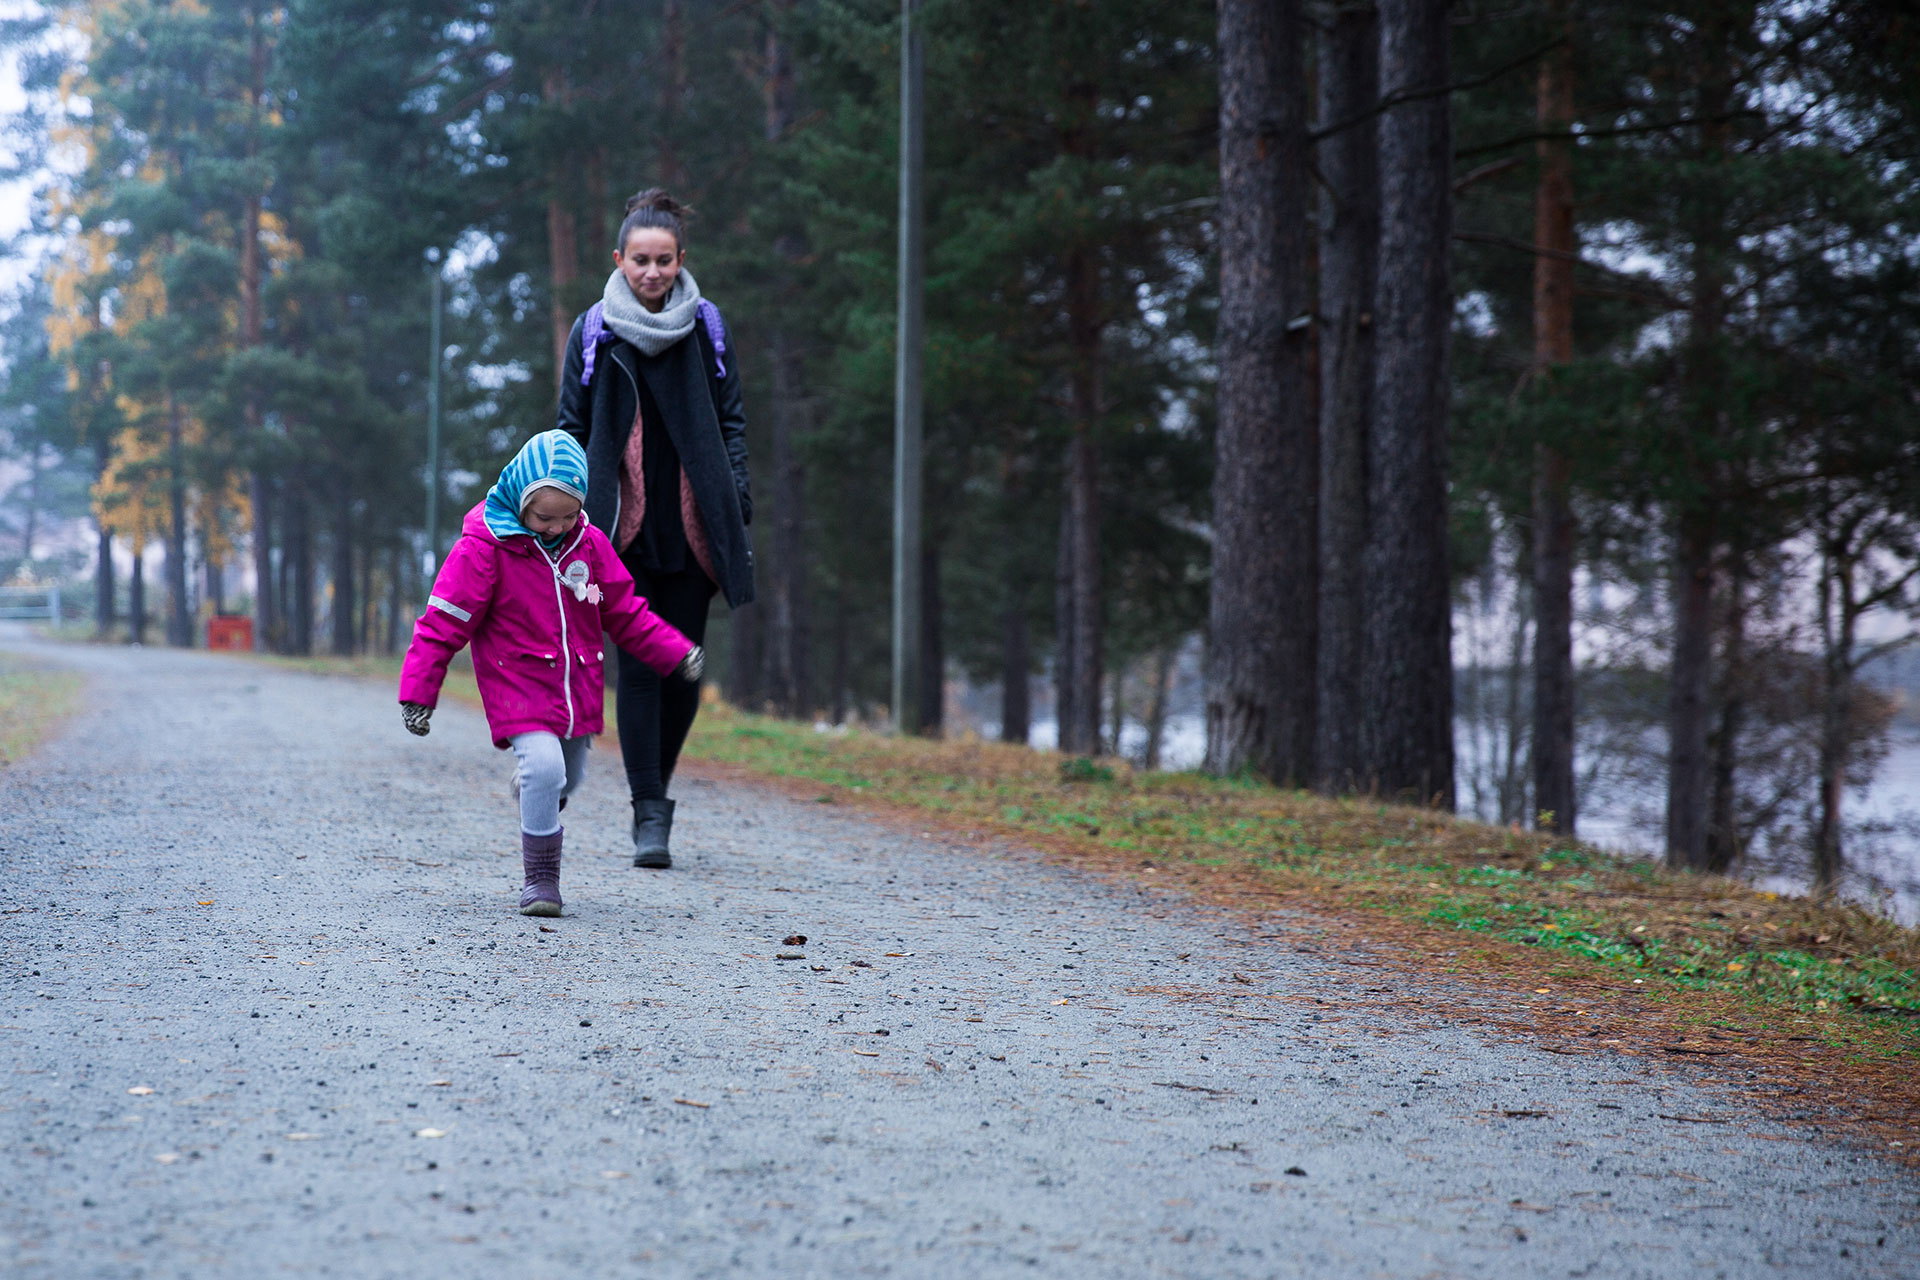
(651, 390)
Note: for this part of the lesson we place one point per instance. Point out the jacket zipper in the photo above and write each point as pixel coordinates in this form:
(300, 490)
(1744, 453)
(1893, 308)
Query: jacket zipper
(566, 653)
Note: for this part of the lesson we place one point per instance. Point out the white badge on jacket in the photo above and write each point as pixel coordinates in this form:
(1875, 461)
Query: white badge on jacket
(576, 579)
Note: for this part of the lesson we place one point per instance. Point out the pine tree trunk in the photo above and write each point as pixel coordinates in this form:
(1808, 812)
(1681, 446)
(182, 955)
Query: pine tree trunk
(1016, 690)
(1688, 708)
(673, 92)
(390, 644)
(1553, 674)
(342, 572)
(1723, 831)
(104, 605)
(1349, 241)
(1408, 677)
(1264, 610)
(1080, 644)
(1838, 614)
(746, 658)
(563, 227)
(179, 621)
(1157, 708)
(1065, 690)
(137, 597)
(299, 558)
(267, 629)
(787, 607)
(933, 653)
(789, 616)
(842, 653)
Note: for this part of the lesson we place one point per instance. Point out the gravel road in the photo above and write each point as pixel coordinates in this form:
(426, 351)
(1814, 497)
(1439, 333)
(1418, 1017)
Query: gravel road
(268, 1012)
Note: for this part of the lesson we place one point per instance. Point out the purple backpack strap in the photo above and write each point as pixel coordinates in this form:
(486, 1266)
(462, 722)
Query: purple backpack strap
(592, 333)
(717, 332)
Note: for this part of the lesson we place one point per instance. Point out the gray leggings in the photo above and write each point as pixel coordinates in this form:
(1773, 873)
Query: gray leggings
(549, 768)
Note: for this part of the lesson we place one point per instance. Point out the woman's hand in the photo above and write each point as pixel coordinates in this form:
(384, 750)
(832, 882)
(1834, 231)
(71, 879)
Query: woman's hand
(415, 716)
(692, 665)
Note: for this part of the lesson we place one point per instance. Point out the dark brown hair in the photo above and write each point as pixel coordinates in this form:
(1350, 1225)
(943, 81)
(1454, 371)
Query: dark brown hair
(655, 208)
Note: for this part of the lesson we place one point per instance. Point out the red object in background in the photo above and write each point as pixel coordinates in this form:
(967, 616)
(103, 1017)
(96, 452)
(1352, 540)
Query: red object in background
(230, 631)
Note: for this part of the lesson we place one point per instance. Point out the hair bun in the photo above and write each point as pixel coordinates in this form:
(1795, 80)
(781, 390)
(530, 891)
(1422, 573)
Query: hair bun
(658, 200)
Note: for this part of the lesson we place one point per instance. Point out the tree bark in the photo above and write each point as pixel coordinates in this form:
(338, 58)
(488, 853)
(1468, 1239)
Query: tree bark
(746, 659)
(1690, 675)
(1080, 657)
(1723, 832)
(1016, 658)
(1263, 614)
(299, 561)
(563, 227)
(1553, 672)
(1837, 622)
(1157, 708)
(673, 91)
(344, 630)
(179, 621)
(1349, 167)
(789, 602)
(137, 597)
(933, 653)
(266, 615)
(104, 605)
(1408, 677)
(842, 653)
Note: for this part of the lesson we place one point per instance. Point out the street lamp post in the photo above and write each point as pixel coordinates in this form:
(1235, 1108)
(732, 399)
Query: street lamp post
(435, 359)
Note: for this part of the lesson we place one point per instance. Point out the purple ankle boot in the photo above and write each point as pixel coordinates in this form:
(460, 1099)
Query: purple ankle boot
(540, 855)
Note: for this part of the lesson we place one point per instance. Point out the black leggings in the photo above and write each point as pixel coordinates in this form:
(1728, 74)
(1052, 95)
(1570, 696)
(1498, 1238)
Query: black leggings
(655, 714)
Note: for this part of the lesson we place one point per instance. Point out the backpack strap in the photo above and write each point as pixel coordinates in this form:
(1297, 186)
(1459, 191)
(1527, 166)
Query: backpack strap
(592, 334)
(717, 333)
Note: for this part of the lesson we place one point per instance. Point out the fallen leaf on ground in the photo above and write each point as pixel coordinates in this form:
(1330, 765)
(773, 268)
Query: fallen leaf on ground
(167, 1157)
(866, 1053)
(140, 1091)
(439, 1083)
(1241, 977)
(794, 940)
(615, 1173)
(790, 955)
(689, 1102)
(206, 904)
(301, 1137)
(429, 1133)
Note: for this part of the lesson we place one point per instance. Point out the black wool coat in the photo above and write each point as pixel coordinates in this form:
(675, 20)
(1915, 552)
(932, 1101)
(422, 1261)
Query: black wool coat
(704, 419)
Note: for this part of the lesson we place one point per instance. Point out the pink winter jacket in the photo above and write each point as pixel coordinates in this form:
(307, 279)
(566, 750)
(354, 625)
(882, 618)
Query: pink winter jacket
(537, 653)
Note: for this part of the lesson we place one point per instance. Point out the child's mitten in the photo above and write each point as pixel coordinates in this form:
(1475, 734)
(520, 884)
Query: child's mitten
(692, 665)
(416, 716)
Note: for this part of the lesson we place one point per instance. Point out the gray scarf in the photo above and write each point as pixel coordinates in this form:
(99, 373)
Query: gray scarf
(651, 331)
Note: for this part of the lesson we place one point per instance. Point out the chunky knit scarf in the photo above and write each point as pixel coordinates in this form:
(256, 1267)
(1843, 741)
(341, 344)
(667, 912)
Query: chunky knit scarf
(651, 331)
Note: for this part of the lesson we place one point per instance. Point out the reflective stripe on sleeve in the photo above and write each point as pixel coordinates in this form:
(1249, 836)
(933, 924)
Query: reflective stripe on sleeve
(435, 602)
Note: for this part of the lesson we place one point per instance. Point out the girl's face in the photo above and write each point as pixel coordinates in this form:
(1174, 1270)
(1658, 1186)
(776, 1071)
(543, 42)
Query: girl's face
(551, 513)
(651, 262)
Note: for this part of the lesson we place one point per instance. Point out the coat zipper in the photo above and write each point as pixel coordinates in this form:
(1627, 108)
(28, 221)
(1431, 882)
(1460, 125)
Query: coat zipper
(566, 653)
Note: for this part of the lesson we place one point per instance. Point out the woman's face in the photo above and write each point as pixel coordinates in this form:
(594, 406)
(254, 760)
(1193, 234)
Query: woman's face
(550, 513)
(651, 262)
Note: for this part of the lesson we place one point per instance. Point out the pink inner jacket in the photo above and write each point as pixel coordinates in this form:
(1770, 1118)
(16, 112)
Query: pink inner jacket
(537, 650)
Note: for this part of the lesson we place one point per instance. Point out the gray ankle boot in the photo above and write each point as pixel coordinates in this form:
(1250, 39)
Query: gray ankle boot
(652, 826)
(540, 856)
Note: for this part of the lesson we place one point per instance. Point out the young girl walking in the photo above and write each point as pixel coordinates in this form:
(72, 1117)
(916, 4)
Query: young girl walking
(530, 584)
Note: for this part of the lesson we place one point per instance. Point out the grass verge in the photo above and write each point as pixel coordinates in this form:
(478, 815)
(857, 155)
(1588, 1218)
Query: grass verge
(34, 699)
